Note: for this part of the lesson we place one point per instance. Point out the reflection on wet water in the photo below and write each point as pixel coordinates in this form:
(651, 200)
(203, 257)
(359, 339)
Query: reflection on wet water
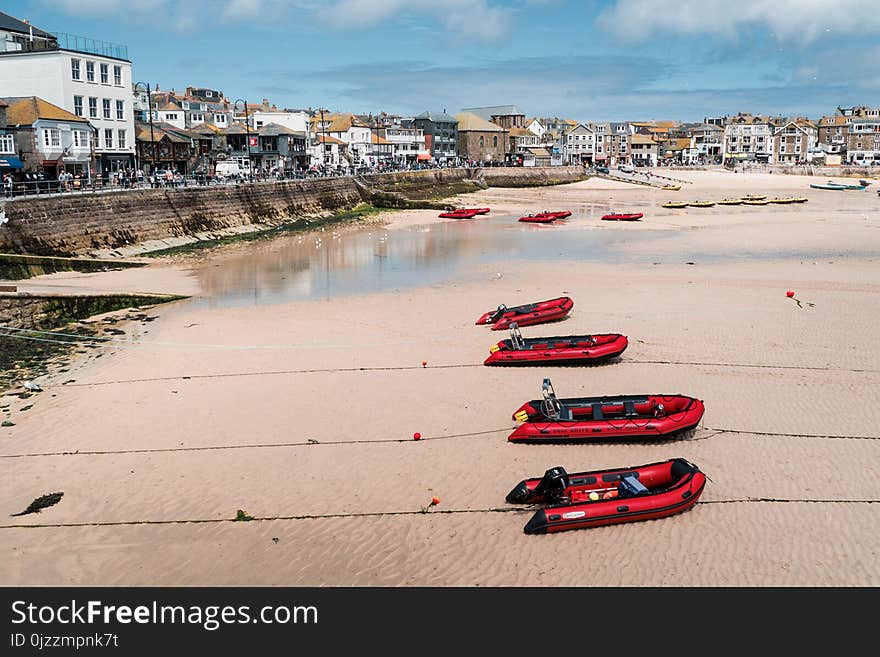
(335, 262)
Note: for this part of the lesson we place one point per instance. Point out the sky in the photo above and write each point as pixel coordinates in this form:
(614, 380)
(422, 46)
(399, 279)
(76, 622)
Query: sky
(589, 60)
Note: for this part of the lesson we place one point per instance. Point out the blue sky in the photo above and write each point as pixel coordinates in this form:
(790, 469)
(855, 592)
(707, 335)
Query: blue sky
(588, 60)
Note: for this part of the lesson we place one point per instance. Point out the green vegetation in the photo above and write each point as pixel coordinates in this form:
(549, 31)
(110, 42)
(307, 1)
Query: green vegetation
(28, 355)
(15, 267)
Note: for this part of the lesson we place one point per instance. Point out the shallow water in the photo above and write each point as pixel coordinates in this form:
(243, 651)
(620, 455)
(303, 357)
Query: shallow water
(339, 262)
(343, 262)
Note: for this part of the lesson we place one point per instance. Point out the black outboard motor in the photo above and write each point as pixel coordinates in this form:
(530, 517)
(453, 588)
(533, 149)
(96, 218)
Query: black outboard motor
(494, 317)
(550, 489)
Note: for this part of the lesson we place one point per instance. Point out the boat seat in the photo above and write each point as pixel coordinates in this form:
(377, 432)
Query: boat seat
(629, 409)
(630, 486)
(598, 414)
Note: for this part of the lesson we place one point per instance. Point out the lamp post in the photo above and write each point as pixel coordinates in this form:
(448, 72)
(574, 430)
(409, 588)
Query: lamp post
(150, 114)
(247, 129)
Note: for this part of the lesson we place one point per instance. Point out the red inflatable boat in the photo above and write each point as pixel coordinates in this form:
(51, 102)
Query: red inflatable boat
(620, 216)
(604, 419)
(458, 214)
(609, 497)
(562, 214)
(478, 210)
(533, 313)
(539, 218)
(556, 350)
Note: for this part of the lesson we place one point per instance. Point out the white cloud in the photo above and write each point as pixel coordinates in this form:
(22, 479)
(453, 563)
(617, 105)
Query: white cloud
(469, 18)
(802, 21)
(486, 19)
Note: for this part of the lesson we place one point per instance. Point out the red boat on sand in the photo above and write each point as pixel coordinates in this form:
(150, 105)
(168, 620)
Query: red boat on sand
(458, 214)
(557, 350)
(604, 419)
(538, 218)
(478, 210)
(623, 216)
(608, 497)
(533, 313)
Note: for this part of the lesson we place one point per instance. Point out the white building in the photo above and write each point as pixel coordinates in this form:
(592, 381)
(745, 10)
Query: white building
(298, 120)
(91, 79)
(749, 138)
(408, 144)
(579, 146)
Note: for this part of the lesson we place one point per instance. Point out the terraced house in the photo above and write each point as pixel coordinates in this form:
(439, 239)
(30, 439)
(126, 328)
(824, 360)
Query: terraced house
(863, 141)
(749, 138)
(792, 141)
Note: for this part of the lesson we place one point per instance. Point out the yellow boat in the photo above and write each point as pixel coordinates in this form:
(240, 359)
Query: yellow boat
(675, 204)
(799, 199)
(730, 201)
(701, 204)
(671, 188)
(782, 200)
(757, 201)
(752, 197)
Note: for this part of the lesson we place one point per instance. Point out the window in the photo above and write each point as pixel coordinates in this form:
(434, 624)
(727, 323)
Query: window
(120, 109)
(78, 105)
(105, 74)
(495, 140)
(219, 118)
(198, 118)
(74, 69)
(51, 137)
(93, 108)
(108, 138)
(117, 76)
(121, 135)
(106, 105)
(7, 145)
(90, 71)
(185, 105)
(481, 142)
(171, 117)
(209, 93)
(80, 139)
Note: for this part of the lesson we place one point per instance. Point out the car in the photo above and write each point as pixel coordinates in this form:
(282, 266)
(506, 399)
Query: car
(626, 168)
(603, 170)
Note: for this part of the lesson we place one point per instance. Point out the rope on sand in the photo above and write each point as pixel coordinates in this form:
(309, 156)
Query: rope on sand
(379, 514)
(309, 442)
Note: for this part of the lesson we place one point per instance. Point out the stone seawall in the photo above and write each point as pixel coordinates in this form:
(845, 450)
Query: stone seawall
(47, 311)
(531, 176)
(113, 223)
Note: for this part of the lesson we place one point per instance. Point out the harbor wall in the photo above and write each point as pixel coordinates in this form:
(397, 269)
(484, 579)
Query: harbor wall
(114, 223)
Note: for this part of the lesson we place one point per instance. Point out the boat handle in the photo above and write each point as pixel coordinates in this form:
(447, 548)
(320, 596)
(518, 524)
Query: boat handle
(621, 509)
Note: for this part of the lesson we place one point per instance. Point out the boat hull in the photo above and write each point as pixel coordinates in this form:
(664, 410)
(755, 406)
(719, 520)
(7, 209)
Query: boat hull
(538, 220)
(559, 350)
(633, 216)
(458, 215)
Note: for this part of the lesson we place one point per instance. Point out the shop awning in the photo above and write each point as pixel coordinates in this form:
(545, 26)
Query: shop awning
(423, 156)
(11, 163)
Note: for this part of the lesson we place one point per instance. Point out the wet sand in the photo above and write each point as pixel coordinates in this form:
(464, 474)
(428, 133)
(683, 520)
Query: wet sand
(266, 408)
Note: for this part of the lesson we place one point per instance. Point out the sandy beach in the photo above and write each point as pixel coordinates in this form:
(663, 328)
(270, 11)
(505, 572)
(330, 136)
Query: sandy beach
(301, 412)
